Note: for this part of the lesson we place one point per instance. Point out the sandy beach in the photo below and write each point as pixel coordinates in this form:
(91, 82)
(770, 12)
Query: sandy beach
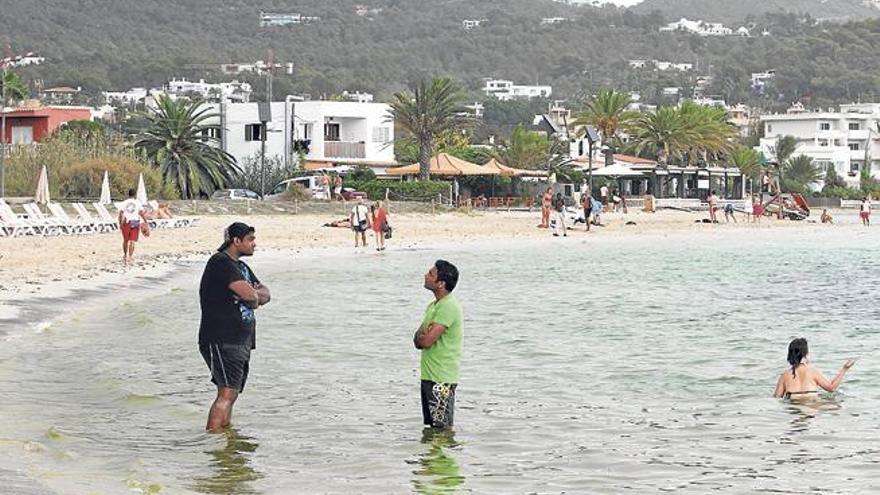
(29, 264)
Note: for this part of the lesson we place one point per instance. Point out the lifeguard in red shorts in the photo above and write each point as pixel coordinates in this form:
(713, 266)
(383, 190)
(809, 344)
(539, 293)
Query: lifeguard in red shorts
(131, 215)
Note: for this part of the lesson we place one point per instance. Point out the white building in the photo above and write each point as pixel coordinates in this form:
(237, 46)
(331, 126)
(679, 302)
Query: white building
(476, 110)
(357, 96)
(553, 20)
(505, 90)
(760, 79)
(847, 140)
(700, 28)
(469, 24)
(131, 97)
(269, 19)
(661, 65)
(23, 60)
(234, 91)
(256, 67)
(333, 132)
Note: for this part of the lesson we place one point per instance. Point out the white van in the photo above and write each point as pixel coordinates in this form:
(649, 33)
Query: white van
(311, 183)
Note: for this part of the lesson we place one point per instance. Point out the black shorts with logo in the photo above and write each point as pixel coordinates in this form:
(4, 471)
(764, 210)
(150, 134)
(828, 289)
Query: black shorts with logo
(229, 364)
(438, 404)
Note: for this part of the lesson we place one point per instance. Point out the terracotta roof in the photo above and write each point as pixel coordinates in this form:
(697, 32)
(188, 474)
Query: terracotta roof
(633, 159)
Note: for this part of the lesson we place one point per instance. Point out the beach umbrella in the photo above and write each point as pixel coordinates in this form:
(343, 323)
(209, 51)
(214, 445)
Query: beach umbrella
(105, 189)
(141, 190)
(42, 194)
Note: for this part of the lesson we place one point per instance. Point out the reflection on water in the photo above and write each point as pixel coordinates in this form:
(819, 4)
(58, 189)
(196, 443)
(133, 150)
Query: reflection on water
(231, 466)
(439, 472)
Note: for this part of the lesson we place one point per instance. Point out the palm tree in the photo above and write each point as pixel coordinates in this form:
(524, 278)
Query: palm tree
(800, 174)
(178, 142)
(748, 161)
(783, 149)
(660, 133)
(607, 112)
(528, 150)
(12, 88)
(433, 107)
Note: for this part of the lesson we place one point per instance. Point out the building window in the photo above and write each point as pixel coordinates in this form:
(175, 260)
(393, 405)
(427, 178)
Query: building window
(22, 135)
(769, 128)
(307, 131)
(837, 142)
(823, 142)
(824, 166)
(854, 167)
(253, 132)
(854, 126)
(381, 134)
(211, 133)
(824, 126)
(854, 146)
(331, 132)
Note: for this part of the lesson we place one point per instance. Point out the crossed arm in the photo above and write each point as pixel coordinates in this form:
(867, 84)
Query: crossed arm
(427, 335)
(254, 296)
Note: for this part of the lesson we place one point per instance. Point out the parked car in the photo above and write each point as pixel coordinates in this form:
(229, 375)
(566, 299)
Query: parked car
(311, 183)
(350, 194)
(234, 194)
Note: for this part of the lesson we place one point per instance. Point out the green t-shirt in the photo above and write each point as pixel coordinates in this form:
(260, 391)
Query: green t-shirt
(440, 361)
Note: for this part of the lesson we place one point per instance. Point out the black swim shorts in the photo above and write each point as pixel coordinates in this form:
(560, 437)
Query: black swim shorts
(438, 404)
(229, 364)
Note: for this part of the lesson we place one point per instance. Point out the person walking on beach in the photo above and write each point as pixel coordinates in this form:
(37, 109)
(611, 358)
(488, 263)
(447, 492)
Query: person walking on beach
(325, 185)
(546, 201)
(559, 215)
(748, 208)
(587, 205)
(379, 221)
(758, 209)
(801, 380)
(131, 213)
(337, 188)
(865, 213)
(229, 293)
(712, 199)
(360, 222)
(603, 195)
(440, 337)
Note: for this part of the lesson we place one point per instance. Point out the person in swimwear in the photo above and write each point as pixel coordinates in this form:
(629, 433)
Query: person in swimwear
(802, 379)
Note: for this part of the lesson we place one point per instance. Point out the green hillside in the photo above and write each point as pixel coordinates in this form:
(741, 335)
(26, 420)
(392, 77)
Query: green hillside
(741, 10)
(116, 45)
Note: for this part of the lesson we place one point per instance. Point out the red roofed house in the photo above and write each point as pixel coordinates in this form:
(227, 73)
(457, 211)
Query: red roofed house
(32, 125)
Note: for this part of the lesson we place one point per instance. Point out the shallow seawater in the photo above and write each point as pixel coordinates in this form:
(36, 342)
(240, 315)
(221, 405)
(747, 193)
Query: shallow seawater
(643, 364)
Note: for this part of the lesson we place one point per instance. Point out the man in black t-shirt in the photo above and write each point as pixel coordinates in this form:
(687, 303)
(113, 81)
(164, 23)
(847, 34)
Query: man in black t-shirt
(229, 293)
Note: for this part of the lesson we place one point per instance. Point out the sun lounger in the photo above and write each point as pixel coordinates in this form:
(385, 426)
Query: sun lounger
(98, 224)
(78, 226)
(53, 226)
(15, 225)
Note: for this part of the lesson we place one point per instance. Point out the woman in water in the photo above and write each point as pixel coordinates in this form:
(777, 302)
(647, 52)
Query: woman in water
(802, 380)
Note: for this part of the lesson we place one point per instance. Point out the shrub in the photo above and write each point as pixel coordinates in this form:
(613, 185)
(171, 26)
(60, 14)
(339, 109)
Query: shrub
(83, 179)
(842, 192)
(296, 192)
(423, 190)
(361, 174)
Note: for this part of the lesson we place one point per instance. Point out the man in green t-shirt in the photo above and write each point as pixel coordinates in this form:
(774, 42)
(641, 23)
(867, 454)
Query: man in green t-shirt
(439, 337)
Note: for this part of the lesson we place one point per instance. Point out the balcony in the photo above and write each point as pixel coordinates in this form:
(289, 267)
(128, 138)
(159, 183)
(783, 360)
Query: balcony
(342, 149)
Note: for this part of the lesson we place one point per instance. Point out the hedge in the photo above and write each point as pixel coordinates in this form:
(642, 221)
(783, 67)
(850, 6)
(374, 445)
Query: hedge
(423, 190)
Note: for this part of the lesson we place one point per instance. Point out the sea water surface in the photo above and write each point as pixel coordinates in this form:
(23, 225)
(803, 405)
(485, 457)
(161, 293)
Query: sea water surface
(643, 364)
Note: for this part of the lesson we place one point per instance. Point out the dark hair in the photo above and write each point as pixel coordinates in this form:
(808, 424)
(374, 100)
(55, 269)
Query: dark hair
(797, 351)
(131, 193)
(447, 273)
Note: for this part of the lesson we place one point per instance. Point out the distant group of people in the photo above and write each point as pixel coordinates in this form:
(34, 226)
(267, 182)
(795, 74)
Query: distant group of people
(336, 182)
(376, 219)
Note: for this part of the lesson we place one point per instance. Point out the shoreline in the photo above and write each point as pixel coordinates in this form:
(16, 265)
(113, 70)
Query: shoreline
(91, 262)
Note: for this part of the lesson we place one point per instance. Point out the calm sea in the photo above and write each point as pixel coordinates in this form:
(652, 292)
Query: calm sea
(642, 364)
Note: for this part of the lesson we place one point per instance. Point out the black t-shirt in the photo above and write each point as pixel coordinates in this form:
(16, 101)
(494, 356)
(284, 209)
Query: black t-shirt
(558, 204)
(226, 319)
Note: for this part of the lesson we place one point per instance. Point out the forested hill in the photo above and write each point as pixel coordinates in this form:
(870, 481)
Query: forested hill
(103, 45)
(730, 11)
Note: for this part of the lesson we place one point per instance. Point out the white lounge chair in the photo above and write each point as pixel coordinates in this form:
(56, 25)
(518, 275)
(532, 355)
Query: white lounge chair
(76, 226)
(98, 224)
(15, 225)
(53, 226)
